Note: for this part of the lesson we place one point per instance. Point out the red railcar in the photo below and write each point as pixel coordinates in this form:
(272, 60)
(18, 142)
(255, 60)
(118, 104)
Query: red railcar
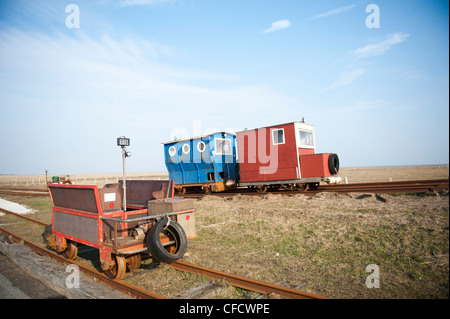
(283, 155)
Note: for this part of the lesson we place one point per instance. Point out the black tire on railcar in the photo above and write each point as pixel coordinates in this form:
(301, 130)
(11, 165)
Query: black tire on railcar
(333, 163)
(175, 234)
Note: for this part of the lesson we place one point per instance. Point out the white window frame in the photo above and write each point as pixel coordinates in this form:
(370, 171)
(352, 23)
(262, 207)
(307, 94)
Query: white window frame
(172, 151)
(299, 139)
(273, 136)
(188, 149)
(216, 152)
(204, 146)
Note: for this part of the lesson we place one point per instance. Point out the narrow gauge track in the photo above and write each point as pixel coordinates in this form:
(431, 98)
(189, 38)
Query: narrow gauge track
(419, 186)
(137, 292)
(24, 192)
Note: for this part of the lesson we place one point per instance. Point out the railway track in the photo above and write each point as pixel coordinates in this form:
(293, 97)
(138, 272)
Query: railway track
(24, 192)
(419, 186)
(137, 292)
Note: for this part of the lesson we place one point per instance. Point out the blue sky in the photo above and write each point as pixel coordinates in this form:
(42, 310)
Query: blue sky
(155, 69)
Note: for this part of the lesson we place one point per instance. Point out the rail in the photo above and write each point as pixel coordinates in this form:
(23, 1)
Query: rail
(418, 186)
(246, 283)
(421, 186)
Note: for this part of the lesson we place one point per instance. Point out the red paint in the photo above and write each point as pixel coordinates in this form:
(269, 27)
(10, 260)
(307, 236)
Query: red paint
(261, 160)
(305, 151)
(314, 165)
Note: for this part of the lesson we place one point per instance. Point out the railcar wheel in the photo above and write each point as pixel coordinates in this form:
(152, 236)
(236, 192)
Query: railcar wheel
(302, 187)
(207, 189)
(261, 189)
(313, 186)
(167, 242)
(133, 262)
(119, 268)
(274, 187)
(71, 251)
(181, 191)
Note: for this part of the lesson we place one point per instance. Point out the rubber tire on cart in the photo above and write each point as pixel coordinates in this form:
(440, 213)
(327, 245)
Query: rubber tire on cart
(333, 164)
(119, 268)
(167, 254)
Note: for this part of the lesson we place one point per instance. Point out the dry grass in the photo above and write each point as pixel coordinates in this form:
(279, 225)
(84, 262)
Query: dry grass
(327, 241)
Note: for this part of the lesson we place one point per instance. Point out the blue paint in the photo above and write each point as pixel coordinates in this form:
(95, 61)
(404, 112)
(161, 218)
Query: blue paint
(206, 159)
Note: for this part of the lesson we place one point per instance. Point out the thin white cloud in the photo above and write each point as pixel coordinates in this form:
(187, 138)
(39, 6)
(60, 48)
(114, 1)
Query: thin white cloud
(129, 3)
(381, 47)
(346, 78)
(278, 25)
(332, 12)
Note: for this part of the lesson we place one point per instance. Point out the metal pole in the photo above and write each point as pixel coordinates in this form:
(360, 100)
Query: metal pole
(124, 181)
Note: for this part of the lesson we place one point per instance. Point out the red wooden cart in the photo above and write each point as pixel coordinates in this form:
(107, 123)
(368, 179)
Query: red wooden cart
(155, 223)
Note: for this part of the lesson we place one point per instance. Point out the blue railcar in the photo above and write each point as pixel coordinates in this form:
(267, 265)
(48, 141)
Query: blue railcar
(207, 162)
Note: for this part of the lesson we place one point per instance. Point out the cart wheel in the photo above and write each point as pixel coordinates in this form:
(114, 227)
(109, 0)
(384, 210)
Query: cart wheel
(72, 250)
(119, 268)
(133, 262)
(167, 243)
(48, 237)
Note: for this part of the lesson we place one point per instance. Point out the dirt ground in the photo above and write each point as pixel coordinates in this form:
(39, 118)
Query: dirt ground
(327, 244)
(393, 173)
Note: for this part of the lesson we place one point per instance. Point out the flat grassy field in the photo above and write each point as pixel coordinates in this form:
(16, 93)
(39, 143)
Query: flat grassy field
(321, 244)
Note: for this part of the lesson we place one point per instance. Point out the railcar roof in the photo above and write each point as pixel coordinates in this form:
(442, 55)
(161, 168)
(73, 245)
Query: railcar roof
(276, 125)
(197, 137)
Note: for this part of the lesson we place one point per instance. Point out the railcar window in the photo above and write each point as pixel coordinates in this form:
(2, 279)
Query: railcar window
(172, 151)
(223, 147)
(278, 136)
(201, 146)
(306, 138)
(186, 148)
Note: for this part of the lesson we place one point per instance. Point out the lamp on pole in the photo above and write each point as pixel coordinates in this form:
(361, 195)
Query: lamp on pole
(122, 142)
